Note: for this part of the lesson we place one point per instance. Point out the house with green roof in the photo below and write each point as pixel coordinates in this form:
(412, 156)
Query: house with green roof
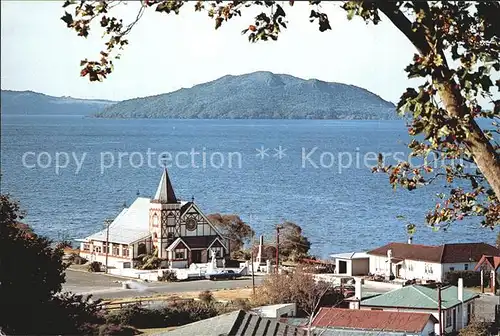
(457, 304)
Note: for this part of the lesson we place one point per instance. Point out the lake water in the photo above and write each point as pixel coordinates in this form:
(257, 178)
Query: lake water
(341, 207)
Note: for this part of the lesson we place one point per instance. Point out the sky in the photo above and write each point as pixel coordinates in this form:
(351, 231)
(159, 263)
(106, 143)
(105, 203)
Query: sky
(169, 52)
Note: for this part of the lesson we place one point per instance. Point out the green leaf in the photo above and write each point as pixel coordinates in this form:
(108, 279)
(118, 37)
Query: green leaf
(67, 18)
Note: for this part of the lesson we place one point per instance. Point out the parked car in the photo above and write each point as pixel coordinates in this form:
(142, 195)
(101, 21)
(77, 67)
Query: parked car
(346, 290)
(223, 275)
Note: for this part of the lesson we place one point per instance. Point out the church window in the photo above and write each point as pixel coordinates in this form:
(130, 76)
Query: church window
(97, 249)
(141, 249)
(155, 219)
(180, 254)
(191, 224)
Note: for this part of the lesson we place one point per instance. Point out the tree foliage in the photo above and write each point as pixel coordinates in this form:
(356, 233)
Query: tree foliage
(297, 287)
(31, 274)
(456, 57)
(234, 228)
(292, 243)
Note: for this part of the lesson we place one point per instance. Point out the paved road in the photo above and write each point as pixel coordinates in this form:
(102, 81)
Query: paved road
(485, 307)
(110, 287)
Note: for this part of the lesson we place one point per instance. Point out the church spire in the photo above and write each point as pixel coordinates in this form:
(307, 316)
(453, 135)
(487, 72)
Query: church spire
(165, 192)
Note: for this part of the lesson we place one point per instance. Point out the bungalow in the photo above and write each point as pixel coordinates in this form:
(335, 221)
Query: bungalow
(177, 231)
(457, 304)
(338, 321)
(424, 262)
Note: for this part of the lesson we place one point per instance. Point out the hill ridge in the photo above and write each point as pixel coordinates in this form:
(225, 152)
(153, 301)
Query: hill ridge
(258, 95)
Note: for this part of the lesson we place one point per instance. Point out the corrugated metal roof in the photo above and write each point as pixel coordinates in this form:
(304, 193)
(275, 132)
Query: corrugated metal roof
(131, 225)
(372, 320)
(237, 323)
(417, 296)
(350, 255)
(351, 332)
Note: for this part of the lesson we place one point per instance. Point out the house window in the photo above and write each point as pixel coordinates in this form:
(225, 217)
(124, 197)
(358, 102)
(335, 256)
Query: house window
(466, 267)
(86, 247)
(125, 251)
(452, 269)
(448, 319)
(105, 248)
(97, 249)
(116, 250)
(180, 255)
(428, 269)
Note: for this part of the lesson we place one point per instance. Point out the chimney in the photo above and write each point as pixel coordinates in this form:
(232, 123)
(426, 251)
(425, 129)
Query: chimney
(460, 289)
(410, 240)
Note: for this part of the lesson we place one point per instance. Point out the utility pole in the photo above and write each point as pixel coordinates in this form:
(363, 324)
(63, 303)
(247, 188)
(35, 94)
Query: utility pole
(440, 313)
(253, 275)
(107, 222)
(278, 227)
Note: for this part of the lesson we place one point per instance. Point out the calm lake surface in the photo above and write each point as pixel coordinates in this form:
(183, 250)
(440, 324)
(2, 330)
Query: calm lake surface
(341, 206)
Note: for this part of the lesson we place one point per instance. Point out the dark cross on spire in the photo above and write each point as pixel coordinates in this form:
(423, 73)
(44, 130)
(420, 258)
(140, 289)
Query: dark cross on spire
(192, 199)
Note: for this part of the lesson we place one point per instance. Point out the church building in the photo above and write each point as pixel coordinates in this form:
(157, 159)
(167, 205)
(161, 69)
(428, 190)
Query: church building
(179, 232)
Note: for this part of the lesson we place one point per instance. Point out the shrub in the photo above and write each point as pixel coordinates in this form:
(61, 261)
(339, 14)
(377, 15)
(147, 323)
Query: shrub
(173, 315)
(471, 278)
(116, 329)
(476, 329)
(136, 316)
(94, 266)
(74, 258)
(169, 276)
(206, 297)
(243, 304)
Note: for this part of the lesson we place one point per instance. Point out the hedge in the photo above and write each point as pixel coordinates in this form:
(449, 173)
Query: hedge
(471, 278)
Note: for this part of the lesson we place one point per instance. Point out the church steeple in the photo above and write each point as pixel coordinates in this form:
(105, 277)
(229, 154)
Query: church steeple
(165, 192)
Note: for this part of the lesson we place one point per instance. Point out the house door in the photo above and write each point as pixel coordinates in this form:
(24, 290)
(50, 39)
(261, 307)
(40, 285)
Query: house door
(398, 271)
(196, 256)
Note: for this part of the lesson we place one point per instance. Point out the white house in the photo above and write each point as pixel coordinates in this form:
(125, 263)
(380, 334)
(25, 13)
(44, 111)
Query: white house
(457, 304)
(424, 262)
(352, 263)
(178, 231)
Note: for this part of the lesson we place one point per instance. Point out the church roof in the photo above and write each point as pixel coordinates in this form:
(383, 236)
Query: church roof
(131, 225)
(165, 192)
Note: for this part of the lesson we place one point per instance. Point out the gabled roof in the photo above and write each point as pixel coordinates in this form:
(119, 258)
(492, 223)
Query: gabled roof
(492, 261)
(372, 320)
(463, 252)
(237, 323)
(165, 192)
(200, 241)
(131, 225)
(419, 297)
(447, 253)
(176, 243)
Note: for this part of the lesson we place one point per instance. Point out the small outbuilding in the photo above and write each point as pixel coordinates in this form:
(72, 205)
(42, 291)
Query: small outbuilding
(351, 264)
